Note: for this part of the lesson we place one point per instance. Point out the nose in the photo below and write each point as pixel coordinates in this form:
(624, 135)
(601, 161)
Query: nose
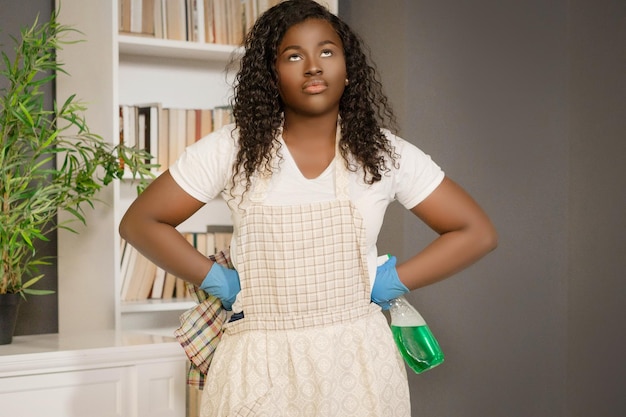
(314, 68)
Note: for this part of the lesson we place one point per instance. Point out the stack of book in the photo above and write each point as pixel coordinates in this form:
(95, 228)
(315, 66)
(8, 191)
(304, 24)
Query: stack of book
(208, 21)
(165, 132)
(143, 280)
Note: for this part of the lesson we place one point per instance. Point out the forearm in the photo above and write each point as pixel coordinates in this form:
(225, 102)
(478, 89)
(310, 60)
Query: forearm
(448, 254)
(150, 223)
(465, 235)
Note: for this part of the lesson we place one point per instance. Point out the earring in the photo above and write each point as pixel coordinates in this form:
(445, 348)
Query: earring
(347, 81)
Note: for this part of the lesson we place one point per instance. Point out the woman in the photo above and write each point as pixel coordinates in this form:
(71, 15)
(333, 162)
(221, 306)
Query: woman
(308, 170)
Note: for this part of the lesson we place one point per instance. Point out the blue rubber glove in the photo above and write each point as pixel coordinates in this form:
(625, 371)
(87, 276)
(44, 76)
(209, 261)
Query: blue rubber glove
(222, 283)
(387, 285)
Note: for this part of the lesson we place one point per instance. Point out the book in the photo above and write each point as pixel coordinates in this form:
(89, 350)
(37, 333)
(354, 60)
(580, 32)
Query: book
(198, 124)
(147, 17)
(169, 286)
(209, 28)
(127, 121)
(222, 115)
(136, 15)
(166, 132)
(190, 129)
(206, 122)
(141, 128)
(250, 13)
(222, 236)
(176, 19)
(200, 32)
(136, 276)
(189, 19)
(195, 20)
(149, 128)
(210, 244)
(177, 133)
(124, 15)
(163, 139)
(220, 22)
(263, 5)
(159, 283)
(234, 18)
(159, 19)
(132, 131)
(181, 289)
(153, 136)
(222, 241)
(203, 21)
(147, 280)
(201, 243)
(127, 268)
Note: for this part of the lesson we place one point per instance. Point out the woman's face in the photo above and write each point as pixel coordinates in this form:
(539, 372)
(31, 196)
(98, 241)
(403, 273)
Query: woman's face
(311, 68)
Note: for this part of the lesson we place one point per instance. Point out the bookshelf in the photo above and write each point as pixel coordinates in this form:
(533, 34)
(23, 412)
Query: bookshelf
(106, 70)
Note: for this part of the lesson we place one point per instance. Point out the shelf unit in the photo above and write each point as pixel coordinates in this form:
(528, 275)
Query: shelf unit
(105, 71)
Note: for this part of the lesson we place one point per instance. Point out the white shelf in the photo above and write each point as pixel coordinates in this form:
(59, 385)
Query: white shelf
(65, 351)
(165, 48)
(170, 304)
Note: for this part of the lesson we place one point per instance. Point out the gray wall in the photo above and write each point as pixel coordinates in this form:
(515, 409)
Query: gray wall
(524, 104)
(597, 204)
(39, 313)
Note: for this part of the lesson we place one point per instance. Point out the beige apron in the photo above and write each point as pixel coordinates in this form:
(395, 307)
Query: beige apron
(311, 343)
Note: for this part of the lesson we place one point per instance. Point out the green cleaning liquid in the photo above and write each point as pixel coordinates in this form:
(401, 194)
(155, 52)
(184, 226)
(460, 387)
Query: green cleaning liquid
(418, 347)
(413, 337)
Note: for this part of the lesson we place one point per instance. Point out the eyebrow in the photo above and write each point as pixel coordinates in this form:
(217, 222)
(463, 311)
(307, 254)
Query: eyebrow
(298, 47)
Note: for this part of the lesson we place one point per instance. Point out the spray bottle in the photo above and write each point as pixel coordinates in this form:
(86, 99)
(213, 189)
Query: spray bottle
(413, 337)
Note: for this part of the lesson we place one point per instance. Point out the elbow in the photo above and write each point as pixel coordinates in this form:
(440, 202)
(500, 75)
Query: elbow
(481, 238)
(125, 229)
(488, 238)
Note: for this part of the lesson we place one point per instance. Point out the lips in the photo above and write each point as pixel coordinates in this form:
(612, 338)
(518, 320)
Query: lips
(314, 86)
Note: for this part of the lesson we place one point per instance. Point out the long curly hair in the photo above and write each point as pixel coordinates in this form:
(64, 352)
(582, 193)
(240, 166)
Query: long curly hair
(258, 108)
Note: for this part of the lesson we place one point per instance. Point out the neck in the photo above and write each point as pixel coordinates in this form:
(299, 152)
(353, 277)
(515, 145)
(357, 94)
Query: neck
(305, 129)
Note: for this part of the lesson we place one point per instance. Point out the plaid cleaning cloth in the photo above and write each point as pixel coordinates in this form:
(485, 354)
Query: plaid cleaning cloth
(201, 327)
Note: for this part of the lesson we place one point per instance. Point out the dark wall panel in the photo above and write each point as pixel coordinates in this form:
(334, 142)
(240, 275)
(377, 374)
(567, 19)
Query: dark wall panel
(39, 314)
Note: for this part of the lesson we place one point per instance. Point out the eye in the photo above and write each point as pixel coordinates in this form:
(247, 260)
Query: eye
(326, 53)
(294, 57)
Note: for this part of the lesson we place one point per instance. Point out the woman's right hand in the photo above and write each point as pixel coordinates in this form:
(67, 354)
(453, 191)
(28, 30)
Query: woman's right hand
(223, 283)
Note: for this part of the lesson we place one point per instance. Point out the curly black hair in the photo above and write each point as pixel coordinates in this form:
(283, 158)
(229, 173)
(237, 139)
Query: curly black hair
(258, 108)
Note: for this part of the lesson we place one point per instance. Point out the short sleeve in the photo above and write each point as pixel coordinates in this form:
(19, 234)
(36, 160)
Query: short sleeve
(417, 176)
(204, 168)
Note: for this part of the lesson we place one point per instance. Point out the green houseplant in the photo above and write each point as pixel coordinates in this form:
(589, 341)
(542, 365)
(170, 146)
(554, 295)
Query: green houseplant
(49, 160)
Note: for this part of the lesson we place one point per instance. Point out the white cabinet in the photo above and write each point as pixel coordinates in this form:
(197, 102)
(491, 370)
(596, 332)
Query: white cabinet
(100, 374)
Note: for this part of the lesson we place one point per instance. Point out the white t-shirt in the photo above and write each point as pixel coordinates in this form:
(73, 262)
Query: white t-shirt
(204, 171)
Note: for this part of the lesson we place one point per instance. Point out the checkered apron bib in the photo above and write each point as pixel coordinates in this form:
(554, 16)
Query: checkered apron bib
(311, 343)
